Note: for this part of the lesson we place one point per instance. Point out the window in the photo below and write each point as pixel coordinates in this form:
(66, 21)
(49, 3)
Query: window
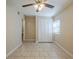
(56, 27)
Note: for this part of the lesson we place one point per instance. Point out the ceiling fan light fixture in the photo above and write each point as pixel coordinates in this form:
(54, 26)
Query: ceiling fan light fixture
(36, 6)
(39, 6)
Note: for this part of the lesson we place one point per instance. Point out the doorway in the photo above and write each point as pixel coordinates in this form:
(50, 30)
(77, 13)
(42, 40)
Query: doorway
(30, 29)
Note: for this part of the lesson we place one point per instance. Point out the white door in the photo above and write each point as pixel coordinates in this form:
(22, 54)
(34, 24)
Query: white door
(45, 29)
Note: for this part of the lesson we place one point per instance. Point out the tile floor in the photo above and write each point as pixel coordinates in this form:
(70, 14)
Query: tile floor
(38, 51)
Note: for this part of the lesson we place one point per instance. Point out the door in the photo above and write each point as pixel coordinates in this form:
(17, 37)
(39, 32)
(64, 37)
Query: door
(45, 29)
(30, 28)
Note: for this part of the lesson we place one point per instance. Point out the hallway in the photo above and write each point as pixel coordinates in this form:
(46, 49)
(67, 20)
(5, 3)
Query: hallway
(38, 51)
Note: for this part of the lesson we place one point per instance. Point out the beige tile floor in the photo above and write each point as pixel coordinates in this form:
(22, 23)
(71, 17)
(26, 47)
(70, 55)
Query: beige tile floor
(38, 51)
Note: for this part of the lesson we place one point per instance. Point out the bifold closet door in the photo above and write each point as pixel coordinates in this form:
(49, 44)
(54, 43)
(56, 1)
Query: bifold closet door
(30, 28)
(45, 29)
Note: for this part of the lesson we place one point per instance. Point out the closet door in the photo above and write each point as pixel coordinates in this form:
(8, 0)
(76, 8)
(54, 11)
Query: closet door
(45, 29)
(30, 28)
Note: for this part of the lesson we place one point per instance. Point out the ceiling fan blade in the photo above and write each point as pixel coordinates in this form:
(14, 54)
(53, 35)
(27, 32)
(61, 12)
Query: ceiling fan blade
(28, 5)
(48, 5)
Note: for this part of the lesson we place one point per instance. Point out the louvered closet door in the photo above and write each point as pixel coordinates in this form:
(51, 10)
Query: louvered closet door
(30, 28)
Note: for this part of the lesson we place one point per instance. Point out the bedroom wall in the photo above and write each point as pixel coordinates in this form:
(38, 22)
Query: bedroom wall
(13, 29)
(65, 38)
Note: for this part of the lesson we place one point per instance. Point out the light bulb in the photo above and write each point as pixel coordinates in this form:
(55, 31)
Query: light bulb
(36, 6)
(39, 6)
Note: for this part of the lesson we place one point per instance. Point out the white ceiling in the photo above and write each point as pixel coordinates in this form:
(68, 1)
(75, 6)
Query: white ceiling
(59, 5)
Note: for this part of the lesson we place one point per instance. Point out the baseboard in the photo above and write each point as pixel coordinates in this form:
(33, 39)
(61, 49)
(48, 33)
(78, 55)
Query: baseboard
(13, 50)
(67, 52)
(45, 42)
(29, 40)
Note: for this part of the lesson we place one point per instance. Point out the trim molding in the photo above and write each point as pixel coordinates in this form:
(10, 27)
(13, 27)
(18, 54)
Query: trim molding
(67, 52)
(29, 40)
(13, 50)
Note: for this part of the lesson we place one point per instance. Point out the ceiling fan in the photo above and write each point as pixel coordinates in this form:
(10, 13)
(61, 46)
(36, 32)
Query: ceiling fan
(39, 4)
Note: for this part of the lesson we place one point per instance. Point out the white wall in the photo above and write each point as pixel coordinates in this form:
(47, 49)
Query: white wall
(13, 29)
(44, 29)
(65, 38)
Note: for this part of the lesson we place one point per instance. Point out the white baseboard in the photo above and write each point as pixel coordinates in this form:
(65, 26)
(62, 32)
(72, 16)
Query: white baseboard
(67, 52)
(13, 50)
(29, 40)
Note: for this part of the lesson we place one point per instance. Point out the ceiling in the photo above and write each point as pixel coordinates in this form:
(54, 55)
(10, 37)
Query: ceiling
(59, 5)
